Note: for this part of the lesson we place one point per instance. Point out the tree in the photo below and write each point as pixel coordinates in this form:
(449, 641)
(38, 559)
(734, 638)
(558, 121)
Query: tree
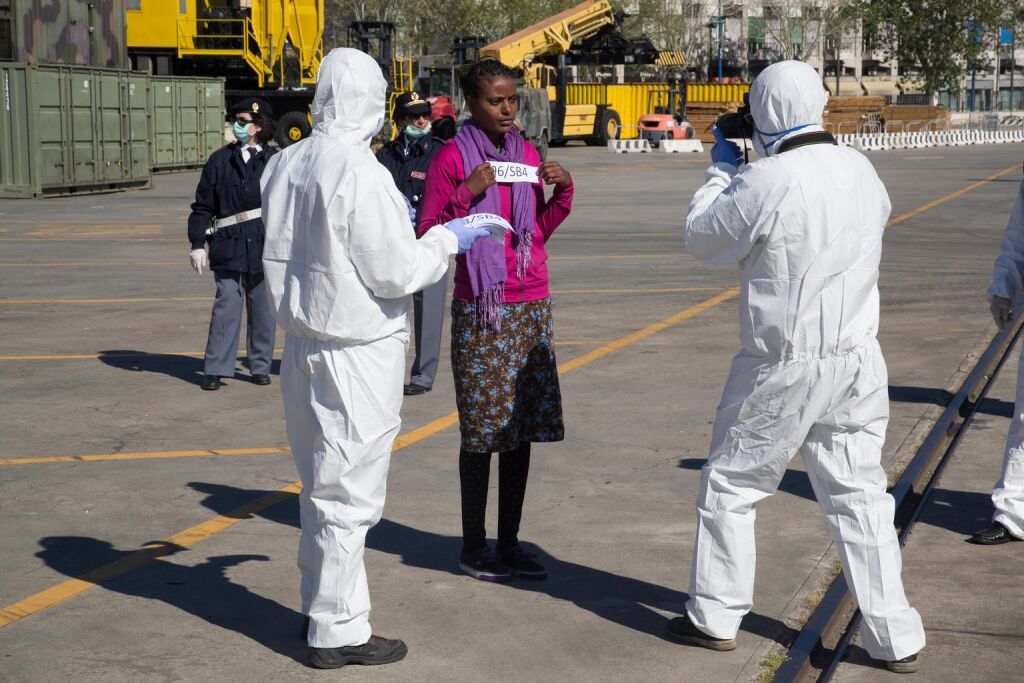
(941, 38)
(799, 28)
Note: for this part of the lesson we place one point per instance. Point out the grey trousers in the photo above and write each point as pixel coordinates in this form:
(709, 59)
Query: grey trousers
(233, 289)
(428, 309)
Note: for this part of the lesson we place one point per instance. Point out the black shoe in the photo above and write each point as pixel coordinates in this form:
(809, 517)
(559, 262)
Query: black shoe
(375, 651)
(305, 628)
(211, 383)
(484, 565)
(261, 380)
(994, 535)
(523, 564)
(907, 665)
(682, 630)
(415, 389)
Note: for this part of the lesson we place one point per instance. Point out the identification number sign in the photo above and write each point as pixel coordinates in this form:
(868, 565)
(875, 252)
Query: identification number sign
(510, 172)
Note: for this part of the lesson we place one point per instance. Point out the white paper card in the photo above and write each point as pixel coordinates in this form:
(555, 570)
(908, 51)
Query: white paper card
(492, 223)
(510, 172)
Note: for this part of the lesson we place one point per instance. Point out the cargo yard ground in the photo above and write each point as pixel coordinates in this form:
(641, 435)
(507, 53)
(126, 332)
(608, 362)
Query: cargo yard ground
(104, 325)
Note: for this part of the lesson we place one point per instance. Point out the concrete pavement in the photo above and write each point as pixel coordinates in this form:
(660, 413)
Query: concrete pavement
(610, 510)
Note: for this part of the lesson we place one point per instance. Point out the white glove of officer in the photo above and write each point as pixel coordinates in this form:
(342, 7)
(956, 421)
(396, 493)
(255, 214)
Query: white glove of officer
(200, 260)
(465, 234)
(1002, 310)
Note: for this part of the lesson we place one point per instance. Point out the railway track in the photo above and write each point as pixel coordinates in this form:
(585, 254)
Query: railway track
(821, 645)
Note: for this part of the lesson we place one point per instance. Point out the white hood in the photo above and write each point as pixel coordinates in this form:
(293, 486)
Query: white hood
(784, 96)
(350, 97)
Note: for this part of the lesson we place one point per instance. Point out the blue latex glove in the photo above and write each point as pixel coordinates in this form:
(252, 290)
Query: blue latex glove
(725, 151)
(466, 235)
(412, 211)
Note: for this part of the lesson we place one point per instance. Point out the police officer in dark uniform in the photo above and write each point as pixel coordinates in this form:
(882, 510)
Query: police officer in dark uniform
(407, 157)
(225, 229)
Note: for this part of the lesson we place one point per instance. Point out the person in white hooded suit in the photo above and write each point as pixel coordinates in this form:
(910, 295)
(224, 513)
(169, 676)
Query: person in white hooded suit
(341, 261)
(805, 226)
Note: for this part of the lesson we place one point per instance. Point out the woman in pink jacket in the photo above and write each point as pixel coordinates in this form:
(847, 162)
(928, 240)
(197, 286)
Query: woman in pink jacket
(503, 359)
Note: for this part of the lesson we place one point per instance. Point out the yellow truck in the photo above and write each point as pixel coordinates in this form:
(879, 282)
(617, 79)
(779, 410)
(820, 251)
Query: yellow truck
(265, 48)
(552, 38)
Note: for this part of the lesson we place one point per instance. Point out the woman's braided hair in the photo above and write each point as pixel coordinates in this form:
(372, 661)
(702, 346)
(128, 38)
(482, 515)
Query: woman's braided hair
(472, 78)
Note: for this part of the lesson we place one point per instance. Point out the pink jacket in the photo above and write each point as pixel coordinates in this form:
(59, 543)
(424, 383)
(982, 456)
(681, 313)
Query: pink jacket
(446, 197)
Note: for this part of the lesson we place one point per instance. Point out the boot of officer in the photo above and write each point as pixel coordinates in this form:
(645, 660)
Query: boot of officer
(341, 261)
(225, 230)
(804, 223)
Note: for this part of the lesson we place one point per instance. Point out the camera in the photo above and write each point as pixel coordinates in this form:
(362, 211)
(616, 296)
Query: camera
(739, 124)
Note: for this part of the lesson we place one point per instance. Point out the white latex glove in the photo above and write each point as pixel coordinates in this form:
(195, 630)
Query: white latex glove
(200, 260)
(1002, 310)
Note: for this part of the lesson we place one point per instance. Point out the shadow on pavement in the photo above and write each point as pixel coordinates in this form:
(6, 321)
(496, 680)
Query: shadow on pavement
(961, 512)
(622, 600)
(940, 397)
(203, 590)
(185, 368)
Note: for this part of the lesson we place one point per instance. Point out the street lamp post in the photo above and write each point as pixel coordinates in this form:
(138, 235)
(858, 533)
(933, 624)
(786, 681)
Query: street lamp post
(721, 20)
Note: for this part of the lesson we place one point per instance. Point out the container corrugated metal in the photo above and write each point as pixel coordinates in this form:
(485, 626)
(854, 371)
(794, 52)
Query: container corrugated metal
(73, 33)
(632, 100)
(187, 121)
(70, 129)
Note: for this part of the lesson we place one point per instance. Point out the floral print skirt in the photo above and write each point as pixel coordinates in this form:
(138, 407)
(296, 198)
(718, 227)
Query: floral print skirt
(506, 381)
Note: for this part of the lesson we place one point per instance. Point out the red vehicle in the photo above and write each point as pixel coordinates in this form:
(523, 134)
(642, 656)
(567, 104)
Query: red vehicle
(668, 122)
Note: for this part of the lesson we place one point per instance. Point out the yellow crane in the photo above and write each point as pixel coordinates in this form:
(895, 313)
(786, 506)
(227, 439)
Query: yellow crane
(268, 48)
(553, 37)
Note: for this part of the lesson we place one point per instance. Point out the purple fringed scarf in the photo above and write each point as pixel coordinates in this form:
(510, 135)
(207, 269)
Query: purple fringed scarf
(485, 261)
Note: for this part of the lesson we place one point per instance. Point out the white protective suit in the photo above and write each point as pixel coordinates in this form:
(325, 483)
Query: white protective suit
(341, 260)
(805, 227)
(1008, 282)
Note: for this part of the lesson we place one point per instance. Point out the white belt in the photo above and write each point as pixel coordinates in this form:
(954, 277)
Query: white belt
(219, 223)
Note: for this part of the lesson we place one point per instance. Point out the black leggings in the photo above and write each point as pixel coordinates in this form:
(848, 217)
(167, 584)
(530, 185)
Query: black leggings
(474, 472)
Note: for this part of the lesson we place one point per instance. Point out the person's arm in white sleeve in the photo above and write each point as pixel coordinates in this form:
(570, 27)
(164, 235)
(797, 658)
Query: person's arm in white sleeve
(726, 217)
(1009, 267)
(383, 247)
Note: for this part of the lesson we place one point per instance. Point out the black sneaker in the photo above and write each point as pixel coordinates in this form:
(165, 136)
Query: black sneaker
(907, 665)
(523, 564)
(375, 651)
(682, 630)
(484, 565)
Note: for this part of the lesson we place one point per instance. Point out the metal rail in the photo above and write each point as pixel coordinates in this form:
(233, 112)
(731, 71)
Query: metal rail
(822, 643)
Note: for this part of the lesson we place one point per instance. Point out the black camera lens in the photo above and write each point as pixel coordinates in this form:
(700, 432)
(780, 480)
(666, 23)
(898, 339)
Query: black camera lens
(739, 124)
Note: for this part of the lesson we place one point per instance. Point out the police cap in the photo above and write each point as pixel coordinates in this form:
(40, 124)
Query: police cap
(253, 105)
(411, 104)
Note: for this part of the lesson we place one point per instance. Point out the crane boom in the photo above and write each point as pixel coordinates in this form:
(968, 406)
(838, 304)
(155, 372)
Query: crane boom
(551, 36)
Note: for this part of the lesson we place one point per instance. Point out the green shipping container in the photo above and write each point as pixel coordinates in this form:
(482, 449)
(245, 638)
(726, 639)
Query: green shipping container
(186, 121)
(70, 130)
(75, 33)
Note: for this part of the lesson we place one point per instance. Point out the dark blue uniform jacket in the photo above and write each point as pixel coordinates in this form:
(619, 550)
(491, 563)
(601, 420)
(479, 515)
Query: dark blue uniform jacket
(408, 162)
(229, 186)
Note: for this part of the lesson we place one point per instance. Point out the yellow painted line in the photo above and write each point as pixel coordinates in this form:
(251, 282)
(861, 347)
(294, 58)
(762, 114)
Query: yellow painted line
(180, 541)
(196, 534)
(952, 195)
(112, 300)
(145, 455)
(90, 264)
(671, 290)
(616, 257)
(647, 331)
(157, 299)
(116, 354)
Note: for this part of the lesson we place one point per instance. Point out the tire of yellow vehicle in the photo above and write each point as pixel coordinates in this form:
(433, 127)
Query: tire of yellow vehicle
(607, 129)
(291, 128)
